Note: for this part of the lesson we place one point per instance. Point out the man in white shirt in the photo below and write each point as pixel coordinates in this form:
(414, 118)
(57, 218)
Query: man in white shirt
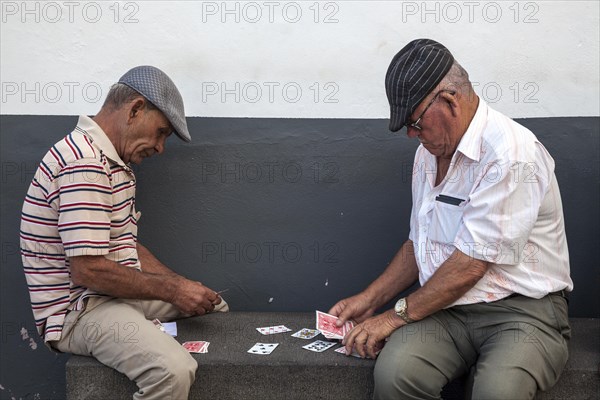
(487, 243)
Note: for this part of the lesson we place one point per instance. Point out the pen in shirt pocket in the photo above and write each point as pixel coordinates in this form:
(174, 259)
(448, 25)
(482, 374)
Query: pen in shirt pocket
(455, 201)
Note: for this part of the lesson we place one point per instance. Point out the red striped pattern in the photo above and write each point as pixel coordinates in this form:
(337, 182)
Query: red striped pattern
(37, 203)
(86, 204)
(69, 212)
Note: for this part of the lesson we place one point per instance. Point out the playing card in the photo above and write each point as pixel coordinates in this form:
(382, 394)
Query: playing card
(270, 330)
(306, 333)
(167, 327)
(263, 348)
(319, 346)
(326, 324)
(158, 324)
(170, 328)
(342, 350)
(196, 346)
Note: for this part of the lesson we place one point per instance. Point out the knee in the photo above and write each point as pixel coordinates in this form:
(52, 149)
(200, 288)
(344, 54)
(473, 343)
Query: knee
(513, 384)
(168, 375)
(388, 380)
(184, 370)
(405, 378)
(179, 369)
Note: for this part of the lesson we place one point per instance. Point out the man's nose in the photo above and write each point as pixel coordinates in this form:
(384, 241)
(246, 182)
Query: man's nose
(412, 132)
(160, 147)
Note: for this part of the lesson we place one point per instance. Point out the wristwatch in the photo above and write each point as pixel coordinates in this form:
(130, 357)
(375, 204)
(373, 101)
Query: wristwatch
(401, 310)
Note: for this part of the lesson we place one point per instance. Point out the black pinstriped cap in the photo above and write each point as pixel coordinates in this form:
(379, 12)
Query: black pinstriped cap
(160, 90)
(413, 73)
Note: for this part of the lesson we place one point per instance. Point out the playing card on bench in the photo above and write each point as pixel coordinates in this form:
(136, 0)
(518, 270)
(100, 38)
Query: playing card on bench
(326, 323)
(306, 333)
(196, 346)
(170, 328)
(270, 330)
(263, 348)
(319, 346)
(158, 324)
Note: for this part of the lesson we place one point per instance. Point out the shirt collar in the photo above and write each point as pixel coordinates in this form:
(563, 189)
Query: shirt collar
(99, 139)
(470, 143)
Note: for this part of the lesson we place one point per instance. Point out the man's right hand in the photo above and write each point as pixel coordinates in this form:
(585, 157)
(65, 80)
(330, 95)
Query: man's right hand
(358, 308)
(194, 298)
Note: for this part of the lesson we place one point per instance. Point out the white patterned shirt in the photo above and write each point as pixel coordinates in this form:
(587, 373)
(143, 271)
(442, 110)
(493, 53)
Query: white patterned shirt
(500, 203)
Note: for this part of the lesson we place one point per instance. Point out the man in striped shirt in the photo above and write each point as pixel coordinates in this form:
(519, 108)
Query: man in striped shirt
(94, 288)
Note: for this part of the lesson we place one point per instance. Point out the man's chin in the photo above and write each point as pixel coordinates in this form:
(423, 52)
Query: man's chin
(431, 148)
(136, 160)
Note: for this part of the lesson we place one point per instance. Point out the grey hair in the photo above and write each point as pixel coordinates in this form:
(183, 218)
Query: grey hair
(120, 94)
(457, 79)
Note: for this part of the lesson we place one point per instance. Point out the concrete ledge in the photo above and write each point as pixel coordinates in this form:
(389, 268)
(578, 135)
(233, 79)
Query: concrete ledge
(227, 371)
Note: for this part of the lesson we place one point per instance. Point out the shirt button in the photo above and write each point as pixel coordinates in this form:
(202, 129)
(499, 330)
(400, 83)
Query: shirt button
(131, 183)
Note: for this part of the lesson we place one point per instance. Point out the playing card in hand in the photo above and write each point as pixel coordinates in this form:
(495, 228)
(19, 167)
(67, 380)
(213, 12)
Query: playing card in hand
(263, 348)
(319, 346)
(342, 350)
(326, 323)
(270, 330)
(306, 333)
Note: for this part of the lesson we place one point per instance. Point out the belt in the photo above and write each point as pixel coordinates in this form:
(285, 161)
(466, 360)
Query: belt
(562, 293)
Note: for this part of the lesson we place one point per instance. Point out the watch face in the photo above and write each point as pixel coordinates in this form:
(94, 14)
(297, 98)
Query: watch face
(401, 311)
(400, 306)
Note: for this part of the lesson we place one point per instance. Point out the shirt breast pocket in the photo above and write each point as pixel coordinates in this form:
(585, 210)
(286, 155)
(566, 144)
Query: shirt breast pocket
(445, 222)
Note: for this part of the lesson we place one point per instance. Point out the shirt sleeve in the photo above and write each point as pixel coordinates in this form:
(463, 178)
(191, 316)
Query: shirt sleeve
(416, 179)
(84, 196)
(501, 212)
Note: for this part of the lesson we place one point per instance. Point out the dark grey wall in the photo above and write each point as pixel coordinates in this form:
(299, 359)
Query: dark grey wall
(303, 212)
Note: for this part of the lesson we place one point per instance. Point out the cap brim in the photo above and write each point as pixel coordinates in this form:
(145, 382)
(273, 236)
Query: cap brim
(395, 127)
(183, 135)
(398, 119)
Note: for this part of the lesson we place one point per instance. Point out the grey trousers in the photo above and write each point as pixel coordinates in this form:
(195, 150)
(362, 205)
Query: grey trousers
(509, 348)
(119, 333)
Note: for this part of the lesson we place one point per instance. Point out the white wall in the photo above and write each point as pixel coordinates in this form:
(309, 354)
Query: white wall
(529, 59)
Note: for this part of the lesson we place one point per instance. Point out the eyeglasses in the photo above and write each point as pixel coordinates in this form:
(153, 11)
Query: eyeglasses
(415, 125)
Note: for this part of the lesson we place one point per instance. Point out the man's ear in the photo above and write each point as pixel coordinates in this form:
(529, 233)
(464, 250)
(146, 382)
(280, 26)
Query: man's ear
(135, 108)
(451, 99)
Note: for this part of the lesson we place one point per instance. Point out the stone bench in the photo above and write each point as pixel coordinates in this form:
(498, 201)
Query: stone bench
(227, 371)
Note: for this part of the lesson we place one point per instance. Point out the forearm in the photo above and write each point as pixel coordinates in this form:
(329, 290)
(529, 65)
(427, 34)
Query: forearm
(399, 275)
(454, 278)
(151, 264)
(107, 277)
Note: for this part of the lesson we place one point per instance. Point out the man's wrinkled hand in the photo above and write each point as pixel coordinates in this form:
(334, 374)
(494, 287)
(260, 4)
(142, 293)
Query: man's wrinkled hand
(357, 308)
(368, 337)
(194, 298)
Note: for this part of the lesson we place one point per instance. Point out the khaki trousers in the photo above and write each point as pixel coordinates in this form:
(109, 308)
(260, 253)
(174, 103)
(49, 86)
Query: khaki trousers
(120, 334)
(509, 349)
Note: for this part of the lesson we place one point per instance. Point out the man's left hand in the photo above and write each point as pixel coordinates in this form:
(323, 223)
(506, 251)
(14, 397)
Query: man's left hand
(368, 337)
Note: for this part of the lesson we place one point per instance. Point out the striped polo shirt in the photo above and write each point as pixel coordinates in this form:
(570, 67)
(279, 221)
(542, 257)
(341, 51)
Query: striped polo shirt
(81, 202)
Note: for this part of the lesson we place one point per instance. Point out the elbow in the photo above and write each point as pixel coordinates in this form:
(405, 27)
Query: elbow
(82, 271)
(477, 269)
(468, 270)
(78, 277)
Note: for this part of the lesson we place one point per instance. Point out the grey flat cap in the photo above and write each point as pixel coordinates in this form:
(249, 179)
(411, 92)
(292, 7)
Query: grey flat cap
(159, 89)
(413, 73)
